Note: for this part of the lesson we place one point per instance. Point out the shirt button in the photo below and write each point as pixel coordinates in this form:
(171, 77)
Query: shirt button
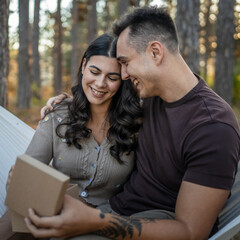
(84, 194)
(97, 148)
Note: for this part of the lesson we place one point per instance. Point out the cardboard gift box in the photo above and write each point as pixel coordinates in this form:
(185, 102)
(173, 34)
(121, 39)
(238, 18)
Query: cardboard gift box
(18, 223)
(38, 186)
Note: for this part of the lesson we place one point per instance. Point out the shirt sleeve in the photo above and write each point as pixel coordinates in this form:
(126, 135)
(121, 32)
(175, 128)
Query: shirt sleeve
(211, 155)
(41, 145)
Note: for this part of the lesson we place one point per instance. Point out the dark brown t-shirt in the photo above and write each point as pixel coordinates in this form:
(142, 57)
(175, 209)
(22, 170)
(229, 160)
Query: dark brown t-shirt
(195, 139)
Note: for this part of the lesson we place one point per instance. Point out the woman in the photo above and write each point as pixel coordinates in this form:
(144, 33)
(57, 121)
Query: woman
(92, 137)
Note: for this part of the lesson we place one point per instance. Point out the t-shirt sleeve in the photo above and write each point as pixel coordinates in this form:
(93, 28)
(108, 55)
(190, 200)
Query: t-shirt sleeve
(41, 145)
(211, 155)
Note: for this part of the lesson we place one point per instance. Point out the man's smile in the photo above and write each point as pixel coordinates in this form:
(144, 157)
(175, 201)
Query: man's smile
(135, 82)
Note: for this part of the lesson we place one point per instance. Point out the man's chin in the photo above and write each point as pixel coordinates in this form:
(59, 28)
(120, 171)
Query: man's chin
(141, 95)
(140, 92)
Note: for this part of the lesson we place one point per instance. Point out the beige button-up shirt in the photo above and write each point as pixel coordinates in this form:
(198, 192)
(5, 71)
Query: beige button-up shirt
(98, 175)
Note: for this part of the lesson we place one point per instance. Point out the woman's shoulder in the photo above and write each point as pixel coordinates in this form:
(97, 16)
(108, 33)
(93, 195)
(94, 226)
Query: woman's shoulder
(61, 109)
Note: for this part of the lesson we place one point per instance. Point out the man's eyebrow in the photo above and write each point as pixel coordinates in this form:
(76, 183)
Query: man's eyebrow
(121, 58)
(93, 66)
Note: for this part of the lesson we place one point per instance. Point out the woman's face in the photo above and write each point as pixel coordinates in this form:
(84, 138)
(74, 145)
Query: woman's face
(101, 79)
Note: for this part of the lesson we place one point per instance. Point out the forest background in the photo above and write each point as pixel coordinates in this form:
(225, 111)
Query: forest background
(41, 43)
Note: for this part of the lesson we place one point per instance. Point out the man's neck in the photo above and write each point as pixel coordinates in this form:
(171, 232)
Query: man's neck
(179, 80)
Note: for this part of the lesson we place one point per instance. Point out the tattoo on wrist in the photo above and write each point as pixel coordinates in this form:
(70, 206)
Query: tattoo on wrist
(124, 227)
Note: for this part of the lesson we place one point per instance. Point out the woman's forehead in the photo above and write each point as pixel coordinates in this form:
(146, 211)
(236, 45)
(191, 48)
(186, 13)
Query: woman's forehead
(104, 62)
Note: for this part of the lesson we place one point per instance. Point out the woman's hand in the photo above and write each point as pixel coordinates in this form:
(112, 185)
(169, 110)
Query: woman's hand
(52, 101)
(10, 175)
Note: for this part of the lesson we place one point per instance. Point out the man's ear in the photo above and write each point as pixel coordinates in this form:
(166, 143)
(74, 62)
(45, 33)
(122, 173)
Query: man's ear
(83, 65)
(156, 50)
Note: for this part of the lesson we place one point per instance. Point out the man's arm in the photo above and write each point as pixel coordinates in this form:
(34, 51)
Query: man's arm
(197, 208)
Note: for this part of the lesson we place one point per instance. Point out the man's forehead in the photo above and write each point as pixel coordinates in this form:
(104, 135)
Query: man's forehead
(122, 40)
(124, 35)
(122, 44)
(121, 49)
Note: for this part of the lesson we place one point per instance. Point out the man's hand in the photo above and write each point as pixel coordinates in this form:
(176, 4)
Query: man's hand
(52, 101)
(74, 219)
(196, 211)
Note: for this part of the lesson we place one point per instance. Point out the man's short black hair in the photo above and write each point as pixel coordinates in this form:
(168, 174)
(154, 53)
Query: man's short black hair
(148, 24)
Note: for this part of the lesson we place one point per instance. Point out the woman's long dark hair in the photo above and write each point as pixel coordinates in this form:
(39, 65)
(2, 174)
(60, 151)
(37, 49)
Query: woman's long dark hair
(124, 111)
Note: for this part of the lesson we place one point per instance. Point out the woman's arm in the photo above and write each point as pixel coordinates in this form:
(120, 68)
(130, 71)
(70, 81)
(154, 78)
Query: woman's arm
(41, 145)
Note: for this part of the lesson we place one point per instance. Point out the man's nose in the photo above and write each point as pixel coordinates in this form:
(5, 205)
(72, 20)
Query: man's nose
(124, 73)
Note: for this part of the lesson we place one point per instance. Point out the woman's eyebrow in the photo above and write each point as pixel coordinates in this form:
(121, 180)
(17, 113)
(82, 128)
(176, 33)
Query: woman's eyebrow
(118, 74)
(111, 73)
(93, 66)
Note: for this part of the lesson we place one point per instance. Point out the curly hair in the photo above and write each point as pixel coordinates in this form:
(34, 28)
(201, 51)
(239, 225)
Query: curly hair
(124, 111)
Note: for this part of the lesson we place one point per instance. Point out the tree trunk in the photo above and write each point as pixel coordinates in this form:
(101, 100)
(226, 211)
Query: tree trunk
(92, 20)
(4, 51)
(23, 58)
(225, 50)
(107, 17)
(57, 51)
(207, 35)
(137, 3)
(36, 58)
(123, 6)
(187, 21)
(75, 42)
(30, 55)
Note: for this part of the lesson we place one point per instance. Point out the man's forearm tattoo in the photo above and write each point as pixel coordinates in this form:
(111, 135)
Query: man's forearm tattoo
(120, 226)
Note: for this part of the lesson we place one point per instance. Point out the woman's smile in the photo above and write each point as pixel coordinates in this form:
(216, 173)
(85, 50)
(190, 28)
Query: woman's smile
(96, 93)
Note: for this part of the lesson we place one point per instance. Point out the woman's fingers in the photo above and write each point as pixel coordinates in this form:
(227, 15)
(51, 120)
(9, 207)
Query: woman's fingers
(10, 174)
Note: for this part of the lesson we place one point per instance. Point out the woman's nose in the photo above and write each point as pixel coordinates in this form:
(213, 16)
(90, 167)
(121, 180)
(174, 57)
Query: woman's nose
(101, 81)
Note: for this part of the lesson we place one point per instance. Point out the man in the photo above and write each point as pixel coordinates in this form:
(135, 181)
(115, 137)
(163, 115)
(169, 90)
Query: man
(188, 150)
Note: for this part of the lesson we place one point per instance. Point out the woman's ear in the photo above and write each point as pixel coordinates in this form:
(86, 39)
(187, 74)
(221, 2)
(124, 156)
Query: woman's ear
(83, 65)
(156, 50)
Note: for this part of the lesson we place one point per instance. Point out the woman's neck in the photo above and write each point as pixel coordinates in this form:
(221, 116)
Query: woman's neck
(98, 123)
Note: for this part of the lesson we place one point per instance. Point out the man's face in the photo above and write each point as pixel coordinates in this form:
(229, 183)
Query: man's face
(134, 66)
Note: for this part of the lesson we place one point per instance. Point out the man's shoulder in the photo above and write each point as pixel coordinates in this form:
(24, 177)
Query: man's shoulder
(218, 109)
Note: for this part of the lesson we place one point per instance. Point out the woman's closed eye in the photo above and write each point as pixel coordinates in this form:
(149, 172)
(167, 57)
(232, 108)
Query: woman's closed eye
(94, 72)
(114, 77)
